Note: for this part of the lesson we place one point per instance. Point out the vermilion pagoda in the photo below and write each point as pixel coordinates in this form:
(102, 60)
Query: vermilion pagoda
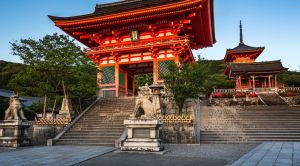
(248, 74)
(140, 36)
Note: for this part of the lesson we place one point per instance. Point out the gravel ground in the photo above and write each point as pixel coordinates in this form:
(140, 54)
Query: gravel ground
(177, 155)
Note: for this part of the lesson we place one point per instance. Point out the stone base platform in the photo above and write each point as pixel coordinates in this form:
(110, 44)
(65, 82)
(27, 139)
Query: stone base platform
(13, 133)
(148, 145)
(143, 135)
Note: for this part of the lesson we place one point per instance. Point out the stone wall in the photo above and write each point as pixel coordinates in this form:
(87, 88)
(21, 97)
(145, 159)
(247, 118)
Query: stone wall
(238, 101)
(295, 100)
(178, 134)
(41, 133)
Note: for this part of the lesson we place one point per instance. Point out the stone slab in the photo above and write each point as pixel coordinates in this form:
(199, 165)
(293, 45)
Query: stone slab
(271, 153)
(52, 155)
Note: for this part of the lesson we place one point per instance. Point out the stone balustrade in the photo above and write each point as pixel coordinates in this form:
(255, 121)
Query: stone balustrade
(166, 119)
(57, 121)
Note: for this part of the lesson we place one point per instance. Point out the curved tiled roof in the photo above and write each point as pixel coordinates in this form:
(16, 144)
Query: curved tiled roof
(268, 66)
(243, 47)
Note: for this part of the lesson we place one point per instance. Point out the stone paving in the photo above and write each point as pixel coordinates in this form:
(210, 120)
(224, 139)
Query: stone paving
(177, 155)
(272, 154)
(54, 155)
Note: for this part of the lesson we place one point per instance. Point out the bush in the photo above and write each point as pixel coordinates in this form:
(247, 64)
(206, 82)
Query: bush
(217, 95)
(252, 94)
(240, 94)
(227, 95)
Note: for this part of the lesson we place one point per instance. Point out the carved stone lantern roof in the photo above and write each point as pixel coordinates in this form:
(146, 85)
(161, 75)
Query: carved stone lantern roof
(156, 85)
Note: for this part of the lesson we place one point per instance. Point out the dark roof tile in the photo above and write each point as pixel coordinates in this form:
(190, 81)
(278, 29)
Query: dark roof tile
(267, 66)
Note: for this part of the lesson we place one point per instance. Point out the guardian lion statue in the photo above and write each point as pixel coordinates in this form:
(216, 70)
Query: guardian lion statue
(14, 111)
(143, 104)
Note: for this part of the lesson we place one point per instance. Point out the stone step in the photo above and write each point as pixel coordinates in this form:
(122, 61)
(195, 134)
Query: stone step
(102, 124)
(96, 128)
(88, 140)
(114, 134)
(83, 137)
(87, 143)
(94, 131)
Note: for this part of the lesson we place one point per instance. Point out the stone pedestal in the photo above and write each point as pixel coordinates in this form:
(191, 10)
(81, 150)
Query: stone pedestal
(143, 135)
(13, 133)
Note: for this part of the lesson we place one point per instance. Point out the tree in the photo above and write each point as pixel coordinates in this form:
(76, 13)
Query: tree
(7, 70)
(189, 80)
(49, 61)
(290, 78)
(185, 81)
(142, 80)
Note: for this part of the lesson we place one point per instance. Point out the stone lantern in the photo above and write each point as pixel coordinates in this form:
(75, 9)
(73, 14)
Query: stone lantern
(156, 93)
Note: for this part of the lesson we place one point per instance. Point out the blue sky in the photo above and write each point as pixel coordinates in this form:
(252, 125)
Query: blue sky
(274, 24)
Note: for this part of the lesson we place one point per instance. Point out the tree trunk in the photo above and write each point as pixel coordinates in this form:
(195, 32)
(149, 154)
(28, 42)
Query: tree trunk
(180, 107)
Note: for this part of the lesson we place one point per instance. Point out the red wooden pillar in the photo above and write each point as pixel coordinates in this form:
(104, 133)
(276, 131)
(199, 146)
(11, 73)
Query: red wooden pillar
(249, 82)
(240, 81)
(133, 87)
(117, 82)
(253, 80)
(176, 60)
(99, 75)
(269, 81)
(236, 84)
(275, 78)
(99, 79)
(126, 83)
(155, 70)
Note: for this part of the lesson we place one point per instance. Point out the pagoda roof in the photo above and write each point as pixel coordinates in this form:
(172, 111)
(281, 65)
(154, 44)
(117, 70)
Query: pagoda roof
(256, 67)
(242, 49)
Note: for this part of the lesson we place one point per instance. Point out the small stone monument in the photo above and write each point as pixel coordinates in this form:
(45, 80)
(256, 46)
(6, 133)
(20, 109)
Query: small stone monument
(143, 128)
(13, 129)
(66, 111)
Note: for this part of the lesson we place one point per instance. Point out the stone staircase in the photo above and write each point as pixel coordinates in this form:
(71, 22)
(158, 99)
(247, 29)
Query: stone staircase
(101, 125)
(253, 124)
(272, 98)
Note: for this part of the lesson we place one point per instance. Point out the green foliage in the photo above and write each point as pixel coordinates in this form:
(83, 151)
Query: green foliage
(51, 60)
(188, 80)
(290, 78)
(7, 71)
(36, 107)
(141, 80)
(185, 81)
(4, 103)
(216, 78)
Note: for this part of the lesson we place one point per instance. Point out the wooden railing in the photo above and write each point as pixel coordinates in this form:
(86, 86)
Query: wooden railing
(294, 89)
(224, 90)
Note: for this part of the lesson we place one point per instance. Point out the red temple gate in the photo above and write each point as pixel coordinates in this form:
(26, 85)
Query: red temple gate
(140, 36)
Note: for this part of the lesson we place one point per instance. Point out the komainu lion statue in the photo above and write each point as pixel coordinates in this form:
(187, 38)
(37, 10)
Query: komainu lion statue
(14, 111)
(143, 105)
(146, 106)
